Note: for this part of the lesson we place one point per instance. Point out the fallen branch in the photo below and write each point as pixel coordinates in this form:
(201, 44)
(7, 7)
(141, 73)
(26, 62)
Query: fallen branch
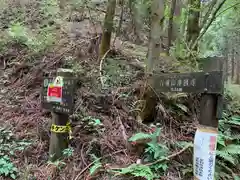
(100, 67)
(168, 157)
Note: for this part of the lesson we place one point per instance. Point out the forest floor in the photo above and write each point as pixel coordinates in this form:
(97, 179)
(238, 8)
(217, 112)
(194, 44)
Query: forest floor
(105, 106)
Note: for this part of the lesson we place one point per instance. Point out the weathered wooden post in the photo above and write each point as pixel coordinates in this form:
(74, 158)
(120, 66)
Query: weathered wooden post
(57, 96)
(210, 85)
(205, 141)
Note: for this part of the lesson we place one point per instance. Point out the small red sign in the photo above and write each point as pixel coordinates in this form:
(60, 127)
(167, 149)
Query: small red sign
(55, 91)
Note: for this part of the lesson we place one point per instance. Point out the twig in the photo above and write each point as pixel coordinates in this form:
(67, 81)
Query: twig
(169, 157)
(88, 166)
(82, 157)
(100, 67)
(230, 7)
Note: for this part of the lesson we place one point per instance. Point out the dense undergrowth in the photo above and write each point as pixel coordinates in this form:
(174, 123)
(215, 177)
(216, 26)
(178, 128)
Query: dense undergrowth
(107, 140)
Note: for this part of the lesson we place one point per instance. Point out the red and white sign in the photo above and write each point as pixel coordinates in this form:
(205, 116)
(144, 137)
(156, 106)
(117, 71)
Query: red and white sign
(205, 144)
(54, 93)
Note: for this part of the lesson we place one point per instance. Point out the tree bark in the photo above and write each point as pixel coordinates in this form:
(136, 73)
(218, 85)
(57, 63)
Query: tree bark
(226, 64)
(136, 21)
(232, 64)
(193, 29)
(107, 28)
(154, 48)
(238, 72)
(170, 26)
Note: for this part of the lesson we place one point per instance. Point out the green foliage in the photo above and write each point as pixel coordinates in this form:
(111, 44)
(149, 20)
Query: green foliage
(153, 151)
(137, 170)
(227, 147)
(223, 31)
(140, 136)
(19, 33)
(96, 164)
(8, 146)
(68, 152)
(7, 169)
(116, 73)
(50, 9)
(58, 163)
(232, 95)
(36, 43)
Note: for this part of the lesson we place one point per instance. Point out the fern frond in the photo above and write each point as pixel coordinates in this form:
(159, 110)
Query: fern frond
(235, 136)
(138, 170)
(223, 171)
(236, 118)
(140, 136)
(182, 107)
(177, 96)
(234, 123)
(232, 149)
(95, 167)
(226, 157)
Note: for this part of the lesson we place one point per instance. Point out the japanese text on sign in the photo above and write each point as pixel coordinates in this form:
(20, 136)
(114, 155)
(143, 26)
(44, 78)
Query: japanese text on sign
(197, 82)
(204, 154)
(58, 97)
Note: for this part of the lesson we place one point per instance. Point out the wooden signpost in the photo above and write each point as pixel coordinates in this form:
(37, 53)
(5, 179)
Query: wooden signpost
(58, 97)
(210, 84)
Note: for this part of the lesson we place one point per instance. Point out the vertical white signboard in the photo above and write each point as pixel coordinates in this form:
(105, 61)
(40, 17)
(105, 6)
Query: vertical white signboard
(205, 144)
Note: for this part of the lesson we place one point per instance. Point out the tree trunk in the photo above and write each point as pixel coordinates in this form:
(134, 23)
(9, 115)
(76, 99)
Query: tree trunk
(238, 72)
(232, 64)
(226, 67)
(170, 26)
(107, 28)
(154, 48)
(136, 21)
(193, 28)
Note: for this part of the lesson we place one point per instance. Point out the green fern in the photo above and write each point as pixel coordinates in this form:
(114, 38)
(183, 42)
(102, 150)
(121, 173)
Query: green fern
(140, 136)
(232, 149)
(95, 167)
(96, 164)
(138, 170)
(227, 154)
(226, 157)
(220, 173)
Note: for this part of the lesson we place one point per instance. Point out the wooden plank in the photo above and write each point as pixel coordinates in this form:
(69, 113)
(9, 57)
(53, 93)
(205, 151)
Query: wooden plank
(196, 82)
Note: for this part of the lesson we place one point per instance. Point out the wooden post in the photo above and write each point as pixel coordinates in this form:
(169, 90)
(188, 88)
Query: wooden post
(59, 141)
(209, 102)
(205, 141)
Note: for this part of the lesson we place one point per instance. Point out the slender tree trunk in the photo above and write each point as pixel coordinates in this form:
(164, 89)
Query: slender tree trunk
(208, 13)
(208, 24)
(238, 71)
(154, 48)
(136, 21)
(170, 26)
(107, 27)
(226, 67)
(193, 28)
(232, 64)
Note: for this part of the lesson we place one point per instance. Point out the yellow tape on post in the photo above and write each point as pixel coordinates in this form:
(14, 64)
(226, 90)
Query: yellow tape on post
(62, 129)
